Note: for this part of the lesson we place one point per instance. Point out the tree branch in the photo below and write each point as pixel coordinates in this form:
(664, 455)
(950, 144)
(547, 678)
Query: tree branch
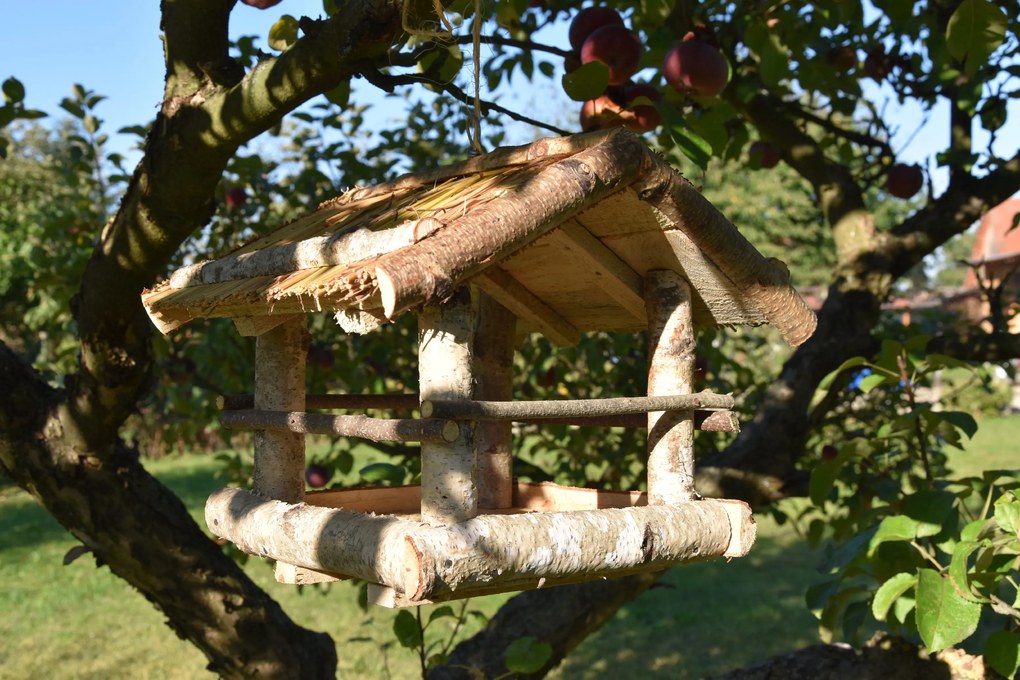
(388, 83)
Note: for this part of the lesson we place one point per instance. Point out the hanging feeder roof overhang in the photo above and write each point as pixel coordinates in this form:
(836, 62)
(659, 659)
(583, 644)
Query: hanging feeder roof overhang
(561, 232)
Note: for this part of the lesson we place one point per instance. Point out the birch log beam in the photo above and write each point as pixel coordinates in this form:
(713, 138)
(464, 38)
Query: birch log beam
(489, 553)
(671, 350)
(280, 356)
(449, 470)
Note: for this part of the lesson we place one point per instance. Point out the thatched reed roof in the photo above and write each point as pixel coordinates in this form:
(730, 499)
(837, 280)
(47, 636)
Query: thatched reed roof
(561, 232)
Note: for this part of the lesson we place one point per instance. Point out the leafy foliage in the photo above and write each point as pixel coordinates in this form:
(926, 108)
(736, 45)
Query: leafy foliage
(913, 549)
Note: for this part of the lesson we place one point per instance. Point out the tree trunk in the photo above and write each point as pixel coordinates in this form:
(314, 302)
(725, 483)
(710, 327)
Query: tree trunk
(142, 531)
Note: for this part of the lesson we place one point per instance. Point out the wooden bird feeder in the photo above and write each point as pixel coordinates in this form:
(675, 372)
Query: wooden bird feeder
(563, 236)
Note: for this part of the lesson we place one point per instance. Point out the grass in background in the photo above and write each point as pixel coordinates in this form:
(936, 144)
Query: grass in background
(82, 622)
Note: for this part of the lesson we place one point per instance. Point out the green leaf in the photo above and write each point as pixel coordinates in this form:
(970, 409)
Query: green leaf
(587, 82)
(547, 69)
(689, 142)
(823, 476)
(14, 91)
(893, 528)
(1002, 652)
(90, 123)
(283, 33)
(441, 612)
(852, 362)
(872, 381)
(382, 472)
(889, 592)
(958, 568)
(944, 618)
(773, 59)
(406, 629)
(340, 95)
(975, 30)
(1007, 514)
(962, 421)
(527, 655)
(930, 509)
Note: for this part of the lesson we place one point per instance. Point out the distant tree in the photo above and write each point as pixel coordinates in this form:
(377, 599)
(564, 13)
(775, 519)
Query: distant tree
(813, 80)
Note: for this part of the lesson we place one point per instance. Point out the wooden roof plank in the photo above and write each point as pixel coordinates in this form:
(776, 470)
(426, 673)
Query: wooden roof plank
(510, 293)
(615, 277)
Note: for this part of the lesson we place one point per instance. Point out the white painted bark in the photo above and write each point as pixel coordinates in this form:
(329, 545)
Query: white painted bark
(446, 371)
(488, 553)
(671, 353)
(280, 356)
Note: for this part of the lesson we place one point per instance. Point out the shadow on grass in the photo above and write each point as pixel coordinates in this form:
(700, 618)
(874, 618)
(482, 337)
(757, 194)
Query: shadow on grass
(708, 617)
(24, 524)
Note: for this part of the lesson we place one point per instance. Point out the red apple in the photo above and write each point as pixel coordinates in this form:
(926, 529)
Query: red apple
(696, 67)
(318, 476)
(261, 4)
(590, 19)
(236, 198)
(903, 181)
(643, 117)
(763, 155)
(877, 64)
(600, 113)
(829, 452)
(842, 57)
(617, 48)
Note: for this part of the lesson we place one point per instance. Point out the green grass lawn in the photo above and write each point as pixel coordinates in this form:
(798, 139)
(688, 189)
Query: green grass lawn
(79, 621)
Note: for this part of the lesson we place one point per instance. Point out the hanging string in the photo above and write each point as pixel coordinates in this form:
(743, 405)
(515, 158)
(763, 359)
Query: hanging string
(476, 56)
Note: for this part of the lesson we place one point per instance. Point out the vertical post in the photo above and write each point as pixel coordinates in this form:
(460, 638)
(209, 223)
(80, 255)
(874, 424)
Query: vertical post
(671, 353)
(495, 329)
(280, 356)
(449, 493)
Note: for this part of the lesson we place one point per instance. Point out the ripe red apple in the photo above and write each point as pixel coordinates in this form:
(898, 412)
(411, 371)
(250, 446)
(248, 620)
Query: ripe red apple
(236, 198)
(261, 4)
(763, 155)
(600, 113)
(903, 181)
(696, 67)
(829, 452)
(588, 20)
(877, 64)
(842, 57)
(617, 48)
(643, 117)
(318, 476)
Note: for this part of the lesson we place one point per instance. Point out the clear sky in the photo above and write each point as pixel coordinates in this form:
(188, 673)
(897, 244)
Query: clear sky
(113, 47)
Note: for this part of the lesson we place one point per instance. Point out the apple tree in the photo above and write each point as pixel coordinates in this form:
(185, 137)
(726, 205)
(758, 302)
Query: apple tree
(710, 84)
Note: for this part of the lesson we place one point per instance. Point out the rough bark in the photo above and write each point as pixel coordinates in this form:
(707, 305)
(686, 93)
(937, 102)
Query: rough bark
(484, 554)
(63, 446)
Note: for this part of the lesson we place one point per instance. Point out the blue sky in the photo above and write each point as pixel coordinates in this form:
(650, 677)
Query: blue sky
(113, 47)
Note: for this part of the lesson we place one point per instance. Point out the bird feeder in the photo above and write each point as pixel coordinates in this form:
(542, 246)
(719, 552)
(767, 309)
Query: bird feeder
(563, 236)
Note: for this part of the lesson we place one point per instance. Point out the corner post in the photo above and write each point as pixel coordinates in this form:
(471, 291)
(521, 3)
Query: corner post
(494, 356)
(446, 342)
(280, 356)
(671, 353)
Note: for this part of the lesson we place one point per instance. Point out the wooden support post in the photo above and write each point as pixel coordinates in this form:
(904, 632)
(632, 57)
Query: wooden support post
(672, 345)
(280, 386)
(449, 491)
(493, 359)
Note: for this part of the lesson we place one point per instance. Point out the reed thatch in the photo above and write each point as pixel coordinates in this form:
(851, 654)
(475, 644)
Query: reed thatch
(561, 232)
